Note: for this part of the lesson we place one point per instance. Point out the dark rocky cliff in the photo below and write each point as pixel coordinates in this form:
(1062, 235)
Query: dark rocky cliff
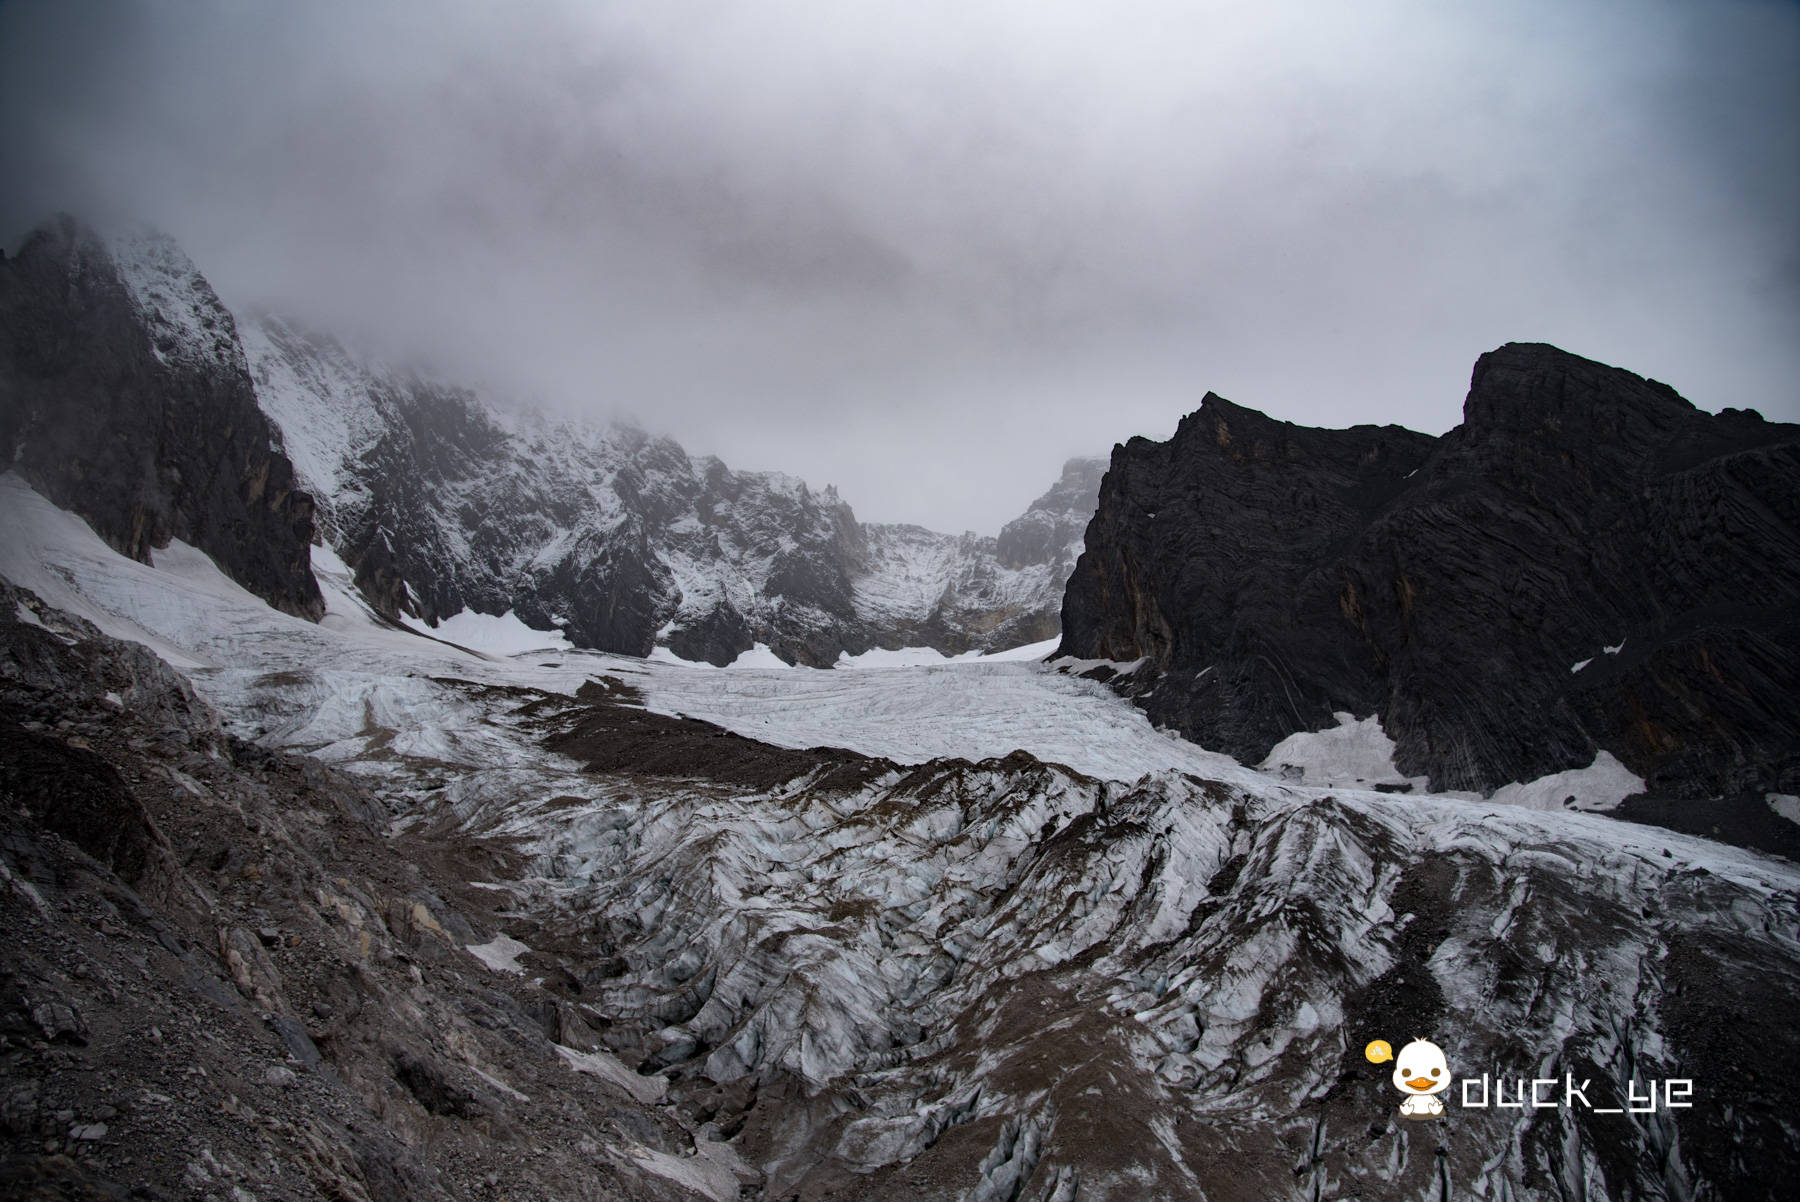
(124, 396)
(1581, 515)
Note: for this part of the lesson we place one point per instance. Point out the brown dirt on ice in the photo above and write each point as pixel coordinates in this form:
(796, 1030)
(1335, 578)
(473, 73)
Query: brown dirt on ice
(608, 733)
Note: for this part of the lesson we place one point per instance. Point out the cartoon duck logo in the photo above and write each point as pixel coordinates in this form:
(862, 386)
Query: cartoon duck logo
(1420, 1072)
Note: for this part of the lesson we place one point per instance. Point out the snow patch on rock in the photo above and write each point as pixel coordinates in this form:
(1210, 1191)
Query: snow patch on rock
(1355, 751)
(505, 634)
(759, 656)
(920, 657)
(501, 953)
(1602, 785)
(709, 1172)
(608, 1067)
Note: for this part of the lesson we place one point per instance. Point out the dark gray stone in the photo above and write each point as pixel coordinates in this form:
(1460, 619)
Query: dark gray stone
(294, 1038)
(1274, 574)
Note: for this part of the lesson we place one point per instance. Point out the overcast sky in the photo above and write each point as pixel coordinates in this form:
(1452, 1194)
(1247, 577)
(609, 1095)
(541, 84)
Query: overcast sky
(926, 251)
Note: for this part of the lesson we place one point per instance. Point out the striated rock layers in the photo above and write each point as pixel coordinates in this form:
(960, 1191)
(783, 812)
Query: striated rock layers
(125, 397)
(1588, 562)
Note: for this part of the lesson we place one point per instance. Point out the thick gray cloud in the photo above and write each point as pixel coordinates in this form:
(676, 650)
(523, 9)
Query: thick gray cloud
(925, 251)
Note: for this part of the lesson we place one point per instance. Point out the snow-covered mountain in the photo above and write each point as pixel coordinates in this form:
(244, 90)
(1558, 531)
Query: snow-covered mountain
(444, 503)
(129, 396)
(295, 903)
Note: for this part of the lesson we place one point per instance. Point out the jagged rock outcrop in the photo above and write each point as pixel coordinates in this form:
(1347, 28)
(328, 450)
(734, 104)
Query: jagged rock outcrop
(125, 397)
(1587, 562)
(442, 503)
(1051, 531)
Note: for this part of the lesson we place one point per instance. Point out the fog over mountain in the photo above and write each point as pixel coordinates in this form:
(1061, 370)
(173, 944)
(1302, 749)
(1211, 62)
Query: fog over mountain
(928, 252)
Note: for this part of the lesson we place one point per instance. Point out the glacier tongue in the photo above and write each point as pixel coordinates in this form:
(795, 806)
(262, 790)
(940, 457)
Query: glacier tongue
(1007, 940)
(980, 954)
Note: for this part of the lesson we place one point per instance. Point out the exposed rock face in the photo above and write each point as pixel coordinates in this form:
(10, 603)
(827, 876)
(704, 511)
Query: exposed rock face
(1587, 562)
(1051, 531)
(125, 397)
(441, 503)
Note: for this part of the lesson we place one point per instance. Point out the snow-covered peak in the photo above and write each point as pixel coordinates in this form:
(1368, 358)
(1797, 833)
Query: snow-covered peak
(441, 502)
(312, 388)
(1053, 528)
(188, 323)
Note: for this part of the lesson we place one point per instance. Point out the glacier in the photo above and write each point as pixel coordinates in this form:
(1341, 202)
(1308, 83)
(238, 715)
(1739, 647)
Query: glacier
(1001, 937)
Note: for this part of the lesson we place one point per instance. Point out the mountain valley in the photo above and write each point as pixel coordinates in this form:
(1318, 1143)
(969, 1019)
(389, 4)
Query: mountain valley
(1006, 892)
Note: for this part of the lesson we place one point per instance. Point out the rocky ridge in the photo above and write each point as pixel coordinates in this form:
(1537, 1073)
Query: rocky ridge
(130, 394)
(1587, 563)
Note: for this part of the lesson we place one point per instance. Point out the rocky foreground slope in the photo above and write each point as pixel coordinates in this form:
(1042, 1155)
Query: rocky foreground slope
(222, 977)
(1587, 563)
